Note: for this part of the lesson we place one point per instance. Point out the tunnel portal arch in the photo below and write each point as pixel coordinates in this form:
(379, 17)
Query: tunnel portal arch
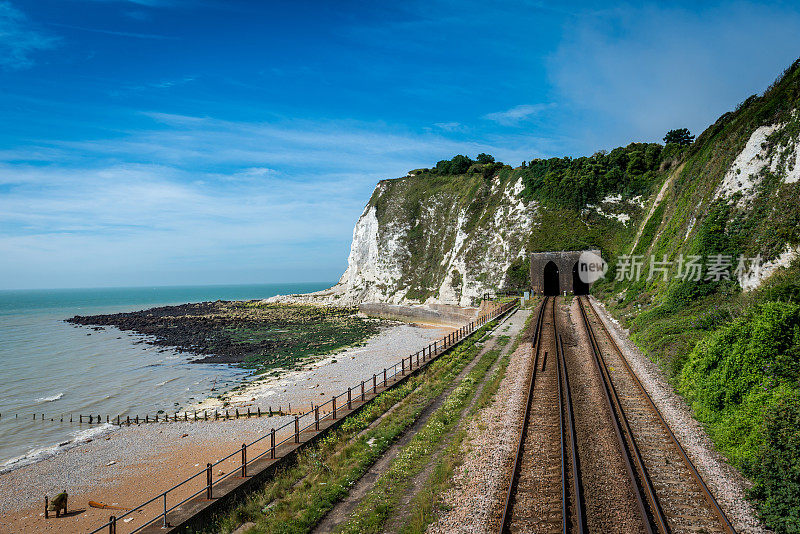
(579, 287)
(551, 282)
(567, 268)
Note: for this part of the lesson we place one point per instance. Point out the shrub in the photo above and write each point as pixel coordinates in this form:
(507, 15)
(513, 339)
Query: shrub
(777, 474)
(739, 371)
(681, 137)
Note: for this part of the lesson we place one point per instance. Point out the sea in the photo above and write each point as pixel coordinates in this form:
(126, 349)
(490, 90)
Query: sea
(53, 370)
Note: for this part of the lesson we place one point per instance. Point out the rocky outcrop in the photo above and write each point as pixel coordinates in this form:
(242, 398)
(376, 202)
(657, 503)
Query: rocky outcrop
(429, 240)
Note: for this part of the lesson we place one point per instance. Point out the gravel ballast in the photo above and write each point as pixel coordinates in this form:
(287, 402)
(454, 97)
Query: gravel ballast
(725, 482)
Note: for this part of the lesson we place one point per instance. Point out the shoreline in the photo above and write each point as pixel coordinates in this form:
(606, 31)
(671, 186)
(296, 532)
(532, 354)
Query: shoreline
(141, 461)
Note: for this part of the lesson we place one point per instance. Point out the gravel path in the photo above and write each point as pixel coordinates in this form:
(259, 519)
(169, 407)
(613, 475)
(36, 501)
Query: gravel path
(342, 510)
(511, 327)
(724, 481)
(321, 379)
(471, 505)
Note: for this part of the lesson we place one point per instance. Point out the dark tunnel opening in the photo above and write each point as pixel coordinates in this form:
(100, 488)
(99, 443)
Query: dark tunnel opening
(579, 287)
(551, 286)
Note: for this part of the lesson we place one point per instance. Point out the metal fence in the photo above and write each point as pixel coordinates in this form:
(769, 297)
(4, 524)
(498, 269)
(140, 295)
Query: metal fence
(267, 444)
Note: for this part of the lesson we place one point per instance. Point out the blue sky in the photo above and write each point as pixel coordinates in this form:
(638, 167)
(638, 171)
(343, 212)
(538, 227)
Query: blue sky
(160, 142)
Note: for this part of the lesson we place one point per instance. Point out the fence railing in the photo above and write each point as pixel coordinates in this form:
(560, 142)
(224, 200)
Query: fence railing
(270, 442)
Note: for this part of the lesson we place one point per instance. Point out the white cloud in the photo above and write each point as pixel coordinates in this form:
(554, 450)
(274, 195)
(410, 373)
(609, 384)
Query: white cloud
(450, 126)
(19, 40)
(223, 197)
(517, 114)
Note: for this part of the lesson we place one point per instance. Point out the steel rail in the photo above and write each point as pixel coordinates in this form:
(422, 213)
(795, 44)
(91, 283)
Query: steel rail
(712, 502)
(506, 518)
(577, 484)
(568, 446)
(617, 419)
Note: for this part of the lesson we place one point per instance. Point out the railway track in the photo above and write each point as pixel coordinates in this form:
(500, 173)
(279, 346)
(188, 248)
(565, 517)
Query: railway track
(672, 494)
(544, 493)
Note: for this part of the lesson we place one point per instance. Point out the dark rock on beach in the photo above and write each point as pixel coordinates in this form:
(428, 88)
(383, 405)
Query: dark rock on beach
(244, 332)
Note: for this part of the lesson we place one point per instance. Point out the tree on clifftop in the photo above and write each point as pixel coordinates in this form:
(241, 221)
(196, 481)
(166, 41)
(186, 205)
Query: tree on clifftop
(681, 136)
(485, 158)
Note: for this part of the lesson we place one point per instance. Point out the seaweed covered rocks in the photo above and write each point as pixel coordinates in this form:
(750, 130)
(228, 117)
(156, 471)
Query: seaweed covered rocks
(250, 333)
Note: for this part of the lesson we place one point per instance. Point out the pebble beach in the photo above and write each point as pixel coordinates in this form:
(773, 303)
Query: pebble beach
(126, 466)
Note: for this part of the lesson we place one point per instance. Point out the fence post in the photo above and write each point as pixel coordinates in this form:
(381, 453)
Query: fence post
(384, 377)
(334, 407)
(272, 444)
(403, 366)
(316, 417)
(208, 481)
(417, 358)
(248, 412)
(362, 391)
(435, 349)
(374, 384)
(112, 525)
(46, 506)
(165, 524)
(244, 460)
(349, 398)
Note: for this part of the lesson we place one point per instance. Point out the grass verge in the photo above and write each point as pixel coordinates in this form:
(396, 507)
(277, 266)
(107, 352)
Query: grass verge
(430, 500)
(373, 511)
(299, 496)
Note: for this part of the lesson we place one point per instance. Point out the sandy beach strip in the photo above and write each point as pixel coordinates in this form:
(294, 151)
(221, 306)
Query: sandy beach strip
(133, 464)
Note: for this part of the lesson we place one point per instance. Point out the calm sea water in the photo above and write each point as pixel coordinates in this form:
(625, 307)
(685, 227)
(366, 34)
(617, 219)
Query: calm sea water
(53, 368)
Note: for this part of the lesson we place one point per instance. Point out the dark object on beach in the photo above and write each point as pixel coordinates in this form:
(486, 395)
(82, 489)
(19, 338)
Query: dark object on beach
(57, 505)
(250, 333)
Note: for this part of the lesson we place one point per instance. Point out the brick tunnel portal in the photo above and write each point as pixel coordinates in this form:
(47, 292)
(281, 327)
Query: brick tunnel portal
(554, 273)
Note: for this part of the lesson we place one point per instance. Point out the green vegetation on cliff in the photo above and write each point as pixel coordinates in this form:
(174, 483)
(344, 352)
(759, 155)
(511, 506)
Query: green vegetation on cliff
(732, 353)
(573, 183)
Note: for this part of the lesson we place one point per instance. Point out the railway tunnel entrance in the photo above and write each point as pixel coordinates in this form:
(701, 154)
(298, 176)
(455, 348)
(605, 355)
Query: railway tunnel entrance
(551, 285)
(557, 272)
(579, 287)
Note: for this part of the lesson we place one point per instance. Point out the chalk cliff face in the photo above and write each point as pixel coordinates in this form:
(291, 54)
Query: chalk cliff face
(424, 239)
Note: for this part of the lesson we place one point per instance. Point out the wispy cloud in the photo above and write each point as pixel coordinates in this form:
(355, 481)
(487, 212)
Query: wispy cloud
(225, 195)
(517, 114)
(450, 126)
(117, 32)
(19, 39)
(146, 3)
